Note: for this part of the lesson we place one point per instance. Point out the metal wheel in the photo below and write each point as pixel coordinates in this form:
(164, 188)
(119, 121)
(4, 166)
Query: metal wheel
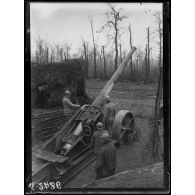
(123, 127)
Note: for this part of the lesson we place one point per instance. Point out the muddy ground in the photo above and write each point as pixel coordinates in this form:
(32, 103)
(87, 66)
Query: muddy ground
(139, 98)
(150, 176)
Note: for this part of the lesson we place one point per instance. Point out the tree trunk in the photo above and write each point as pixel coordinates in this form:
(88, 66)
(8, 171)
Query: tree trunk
(131, 45)
(40, 54)
(64, 55)
(146, 62)
(160, 48)
(105, 75)
(116, 48)
(86, 58)
(37, 57)
(95, 66)
(120, 54)
(61, 57)
(121, 62)
(67, 55)
(148, 55)
(47, 55)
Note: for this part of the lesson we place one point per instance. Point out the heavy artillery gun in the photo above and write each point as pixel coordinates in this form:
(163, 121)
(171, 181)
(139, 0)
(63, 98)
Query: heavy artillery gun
(73, 140)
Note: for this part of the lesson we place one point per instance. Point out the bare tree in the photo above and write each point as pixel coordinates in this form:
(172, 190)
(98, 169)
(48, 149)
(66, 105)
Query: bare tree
(99, 62)
(62, 50)
(94, 45)
(85, 49)
(126, 71)
(157, 16)
(47, 54)
(120, 54)
(120, 59)
(40, 49)
(146, 62)
(67, 48)
(65, 55)
(114, 19)
(36, 56)
(138, 59)
(58, 51)
(100, 55)
(61, 54)
(131, 45)
(148, 58)
(139, 55)
(103, 52)
(52, 54)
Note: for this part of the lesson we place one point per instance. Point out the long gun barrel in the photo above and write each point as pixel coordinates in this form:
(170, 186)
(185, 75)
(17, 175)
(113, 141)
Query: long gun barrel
(75, 136)
(75, 126)
(110, 84)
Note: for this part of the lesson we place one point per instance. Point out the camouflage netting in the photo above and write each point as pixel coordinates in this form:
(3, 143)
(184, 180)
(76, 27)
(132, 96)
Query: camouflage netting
(48, 82)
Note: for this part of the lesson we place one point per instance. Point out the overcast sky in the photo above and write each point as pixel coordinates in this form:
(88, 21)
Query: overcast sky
(67, 22)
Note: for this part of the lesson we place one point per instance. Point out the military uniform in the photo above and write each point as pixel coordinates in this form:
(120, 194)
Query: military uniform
(68, 106)
(108, 116)
(106, 161)
(95, 141)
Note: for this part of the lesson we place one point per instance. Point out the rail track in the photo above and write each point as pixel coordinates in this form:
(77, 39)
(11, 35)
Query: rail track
(65, 172)
(43, 127)
(77, 166)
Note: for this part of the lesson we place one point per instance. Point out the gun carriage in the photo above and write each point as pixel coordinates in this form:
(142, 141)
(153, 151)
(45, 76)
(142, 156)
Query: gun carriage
(73, 140)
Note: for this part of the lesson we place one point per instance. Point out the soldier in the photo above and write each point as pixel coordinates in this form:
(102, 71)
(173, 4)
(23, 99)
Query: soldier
(95, 140)
(108, 115)
(68, 105)
(106, 159)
